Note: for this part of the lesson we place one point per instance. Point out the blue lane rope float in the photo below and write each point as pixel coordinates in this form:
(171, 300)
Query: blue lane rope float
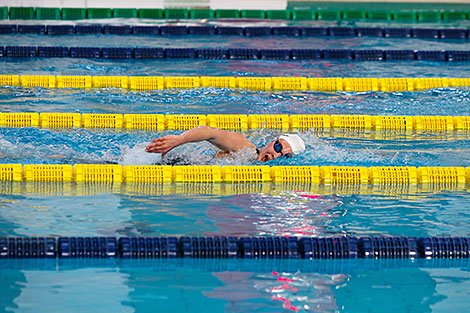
(231, 53)
(269, 247)
(292, 31)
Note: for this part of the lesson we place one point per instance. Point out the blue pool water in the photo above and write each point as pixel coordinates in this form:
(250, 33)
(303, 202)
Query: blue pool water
(245, 286)
(48, 209)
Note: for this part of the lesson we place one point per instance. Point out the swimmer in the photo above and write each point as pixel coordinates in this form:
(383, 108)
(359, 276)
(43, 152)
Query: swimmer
(286, 145)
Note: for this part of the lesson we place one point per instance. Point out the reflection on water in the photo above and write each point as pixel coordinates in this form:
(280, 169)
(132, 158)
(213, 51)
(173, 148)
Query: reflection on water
(51, 209)
(236, 286)
(279, 213)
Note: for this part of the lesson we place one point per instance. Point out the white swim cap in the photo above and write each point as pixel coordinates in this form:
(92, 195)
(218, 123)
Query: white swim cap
(295, 142)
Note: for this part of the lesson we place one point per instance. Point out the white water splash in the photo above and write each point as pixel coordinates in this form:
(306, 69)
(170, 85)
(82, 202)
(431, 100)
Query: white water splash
(138, 156)
(194, 153)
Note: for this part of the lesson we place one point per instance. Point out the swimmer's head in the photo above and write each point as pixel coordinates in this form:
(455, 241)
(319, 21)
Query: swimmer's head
(286, 145)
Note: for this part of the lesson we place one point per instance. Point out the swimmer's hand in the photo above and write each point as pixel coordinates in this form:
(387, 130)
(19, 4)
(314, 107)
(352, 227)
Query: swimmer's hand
(164, 144)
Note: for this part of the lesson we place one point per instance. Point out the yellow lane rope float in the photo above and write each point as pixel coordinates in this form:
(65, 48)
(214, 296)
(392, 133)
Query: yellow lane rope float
(255, 83)
(326, 175)
(235, 121)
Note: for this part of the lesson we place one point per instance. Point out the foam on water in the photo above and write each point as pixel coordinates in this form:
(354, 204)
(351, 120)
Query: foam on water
(137, 156)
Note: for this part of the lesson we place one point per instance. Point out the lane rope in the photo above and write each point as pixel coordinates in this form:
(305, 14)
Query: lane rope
(114, 53)
(329, 84)
(266, 247)
(371, 14)
(326, 175)
(236, 121)
(211, 30)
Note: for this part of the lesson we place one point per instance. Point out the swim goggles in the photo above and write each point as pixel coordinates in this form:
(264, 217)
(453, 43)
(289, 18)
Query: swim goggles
(278, 148)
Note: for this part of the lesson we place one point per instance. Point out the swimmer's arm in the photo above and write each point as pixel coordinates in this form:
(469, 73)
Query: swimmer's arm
(224, 140)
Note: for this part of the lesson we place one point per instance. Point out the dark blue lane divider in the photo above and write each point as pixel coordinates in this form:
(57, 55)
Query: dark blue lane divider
(241, 53)
(181, 30)
(372, 247)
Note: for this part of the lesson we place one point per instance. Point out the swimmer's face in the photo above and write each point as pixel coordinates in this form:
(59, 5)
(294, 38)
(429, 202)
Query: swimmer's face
(275, 149)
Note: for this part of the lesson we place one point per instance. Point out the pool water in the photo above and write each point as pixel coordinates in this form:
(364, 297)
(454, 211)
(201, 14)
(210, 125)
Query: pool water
(50, 209)
(243, 286)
